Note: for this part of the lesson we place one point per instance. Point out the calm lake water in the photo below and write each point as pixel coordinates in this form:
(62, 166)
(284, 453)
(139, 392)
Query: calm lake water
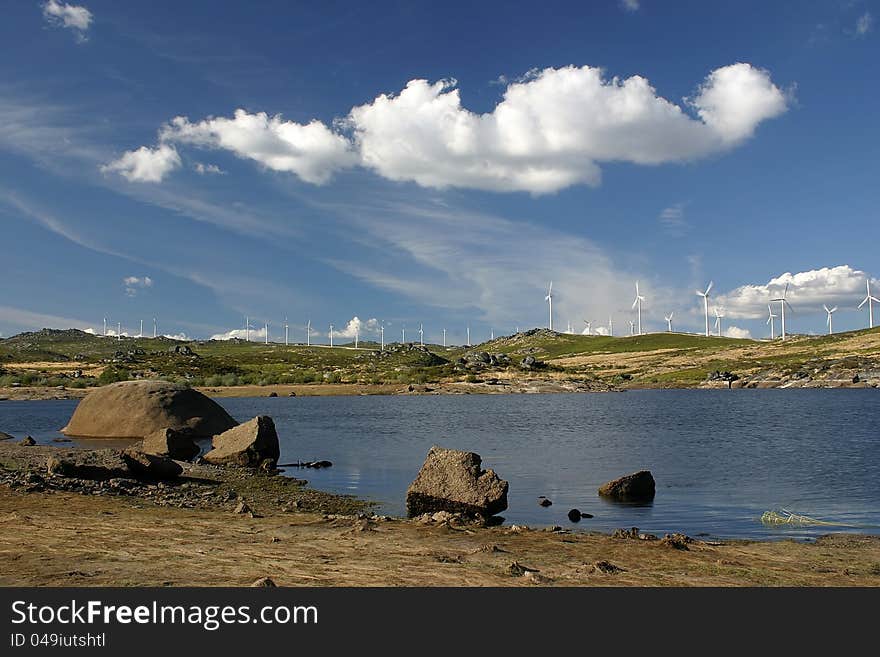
(721, 458)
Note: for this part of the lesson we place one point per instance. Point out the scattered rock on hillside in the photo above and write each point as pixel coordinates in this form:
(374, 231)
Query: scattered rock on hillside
(248, 444)
(135, 409)
(635, 487)
(452, 480)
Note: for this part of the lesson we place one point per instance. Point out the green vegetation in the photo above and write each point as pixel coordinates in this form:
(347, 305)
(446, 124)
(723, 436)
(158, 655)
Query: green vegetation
(76, 359)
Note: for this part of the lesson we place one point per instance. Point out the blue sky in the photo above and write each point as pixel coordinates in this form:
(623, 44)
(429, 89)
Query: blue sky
(417, 163)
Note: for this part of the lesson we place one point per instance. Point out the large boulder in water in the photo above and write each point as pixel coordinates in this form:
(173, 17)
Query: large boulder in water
(454, 481)
(135, 409)
(636, 487)
(248, 444)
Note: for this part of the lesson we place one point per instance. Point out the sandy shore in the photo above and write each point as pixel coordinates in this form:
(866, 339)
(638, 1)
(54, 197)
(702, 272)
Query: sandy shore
(61, 532)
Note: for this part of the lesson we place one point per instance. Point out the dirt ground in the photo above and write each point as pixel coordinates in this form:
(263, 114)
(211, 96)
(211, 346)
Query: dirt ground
(69, 539)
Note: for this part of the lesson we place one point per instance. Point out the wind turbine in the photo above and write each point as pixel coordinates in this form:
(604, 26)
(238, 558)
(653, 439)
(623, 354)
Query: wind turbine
(267, 332)
(770, 318)
(548, 299)
(331, 335)
(783, 303)
(155, 327)
(382, 337)
(356, 336)
(719, 313)
(105, 327)
(632, 327)
(286, 333)
(638, 304)
(469, 334)
(870, 301)
(589, 324)
(491, 334)
(705, 296)
(610, 326)
(421, 335)
(119, 330)
(444, 337)
(141, 334)
(247, 328)
(403, 335)
(668, 319)
(830, 312)
(309, 333)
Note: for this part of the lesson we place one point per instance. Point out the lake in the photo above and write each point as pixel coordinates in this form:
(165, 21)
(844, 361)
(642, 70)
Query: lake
(720, 458)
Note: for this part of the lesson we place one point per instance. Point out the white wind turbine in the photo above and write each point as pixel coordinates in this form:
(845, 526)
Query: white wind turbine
(783, 303)
(331, 335)
(705, 296)
(309, 333)
(770, 318)
(668, 319)
(286, 333)
(549, 300)
(638, 304)
(382, 337)
(632, 327)
(870, 301)
(610, 326)
(403, 335)
(830, 312)
(421, 335)
(141, 334)
(267, 332)
(119, 330)
(247, 328)
(469, 335)
(444, 337)
(356, 336)
(719, 313)
(155, 327)
(105, 327)
(589, 329)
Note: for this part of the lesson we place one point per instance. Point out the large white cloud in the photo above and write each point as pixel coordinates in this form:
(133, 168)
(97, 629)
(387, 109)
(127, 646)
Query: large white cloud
(311, 151)
(241, 334)
(145, 164)
(73, 17)
(551, 130)
(358, 327)
(841, 286)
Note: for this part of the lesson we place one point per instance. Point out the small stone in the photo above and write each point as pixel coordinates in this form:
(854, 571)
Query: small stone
(605, 567)
(543, 501)
(264, 582)
(516, 569)
(243, 509)
(27, 441)
(574, 515)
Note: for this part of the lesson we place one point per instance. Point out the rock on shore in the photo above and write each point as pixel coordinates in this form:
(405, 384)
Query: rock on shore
(249, 444)
(171, 443)
(106, 464)
(454, 481)
(135, 409)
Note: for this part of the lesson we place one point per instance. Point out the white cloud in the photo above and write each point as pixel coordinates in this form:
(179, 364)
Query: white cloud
(241, 334)
(205, 169)
(177, 336)
(630, 5)
(145, 164)
(132, 284)
(841, 285)
(73, 17)
(552, 130)
(737, 332)
(311, 151)
(864, 24)
(358, 327)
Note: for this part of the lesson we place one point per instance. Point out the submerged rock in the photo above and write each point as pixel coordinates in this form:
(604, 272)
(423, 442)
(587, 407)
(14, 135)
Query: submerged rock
(635, 487)
(452, 480)
(248, 444)
(135, 409)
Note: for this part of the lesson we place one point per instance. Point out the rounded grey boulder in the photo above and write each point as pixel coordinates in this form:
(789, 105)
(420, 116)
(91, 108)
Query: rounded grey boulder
(135, 409)
(636, 487)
